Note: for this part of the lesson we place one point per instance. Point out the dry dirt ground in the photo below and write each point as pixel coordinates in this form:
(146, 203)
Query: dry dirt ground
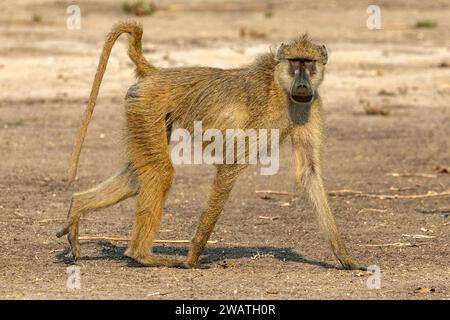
(45, 78)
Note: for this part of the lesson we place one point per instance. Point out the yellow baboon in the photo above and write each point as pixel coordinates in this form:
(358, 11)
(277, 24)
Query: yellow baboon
(278, 91)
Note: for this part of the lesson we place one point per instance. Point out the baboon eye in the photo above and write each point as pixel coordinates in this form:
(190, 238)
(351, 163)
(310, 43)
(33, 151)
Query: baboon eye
(298, 62)
(308, 63)
(293, 65)
(301, 60)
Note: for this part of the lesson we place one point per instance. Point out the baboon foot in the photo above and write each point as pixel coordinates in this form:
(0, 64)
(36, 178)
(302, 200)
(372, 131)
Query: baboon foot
(351, 265)
(193, 263)
(148, 260)
(71, 229)
(187, 265)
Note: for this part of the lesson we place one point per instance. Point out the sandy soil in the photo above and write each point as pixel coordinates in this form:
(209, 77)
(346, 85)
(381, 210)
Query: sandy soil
(45, 78)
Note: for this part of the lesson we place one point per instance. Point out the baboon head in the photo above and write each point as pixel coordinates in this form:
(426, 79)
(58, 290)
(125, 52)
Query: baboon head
(300, 68)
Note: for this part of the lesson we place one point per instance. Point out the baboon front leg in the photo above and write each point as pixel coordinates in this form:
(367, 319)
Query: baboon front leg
(107, 193)
(309, 146)
(299, 165)
(223, 183)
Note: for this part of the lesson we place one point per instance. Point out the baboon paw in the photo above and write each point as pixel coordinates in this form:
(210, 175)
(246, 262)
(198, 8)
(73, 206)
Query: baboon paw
(361, 267)
(63, 231)
(74, 245)
(71, 229)
(189, 265)
(156, 261)
(354, 266)
(71, 223)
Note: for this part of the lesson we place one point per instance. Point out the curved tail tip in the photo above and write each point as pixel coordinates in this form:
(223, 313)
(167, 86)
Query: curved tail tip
(71, 177)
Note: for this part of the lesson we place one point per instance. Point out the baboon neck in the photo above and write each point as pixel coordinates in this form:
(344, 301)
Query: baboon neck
(299, 114)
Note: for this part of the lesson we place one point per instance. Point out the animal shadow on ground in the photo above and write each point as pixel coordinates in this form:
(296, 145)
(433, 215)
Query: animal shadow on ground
(110, 251)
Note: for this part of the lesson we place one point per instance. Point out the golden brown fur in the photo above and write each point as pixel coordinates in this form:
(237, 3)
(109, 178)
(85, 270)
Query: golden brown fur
(254, 97)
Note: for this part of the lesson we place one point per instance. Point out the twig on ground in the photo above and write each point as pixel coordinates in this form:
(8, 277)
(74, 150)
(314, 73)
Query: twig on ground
(430, 194)
(418, 236)
(438, 210)
(371, 210)
(396, 244)
(344, 192)
(281, 193)
(269, 218)
(407, 174)
(61, 219)
(127, 239)
(400, 189)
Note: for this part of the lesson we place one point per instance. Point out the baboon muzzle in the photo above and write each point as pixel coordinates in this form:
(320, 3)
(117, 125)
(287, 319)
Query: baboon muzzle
(301, 90)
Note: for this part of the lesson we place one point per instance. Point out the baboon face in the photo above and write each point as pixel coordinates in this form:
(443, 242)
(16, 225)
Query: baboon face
(300, 69)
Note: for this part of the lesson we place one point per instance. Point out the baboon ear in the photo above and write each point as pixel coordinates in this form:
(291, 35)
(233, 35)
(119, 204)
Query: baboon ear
(276, 51)
(324, 52)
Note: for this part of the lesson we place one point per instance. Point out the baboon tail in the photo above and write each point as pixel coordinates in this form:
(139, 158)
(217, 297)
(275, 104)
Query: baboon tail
(143, 68)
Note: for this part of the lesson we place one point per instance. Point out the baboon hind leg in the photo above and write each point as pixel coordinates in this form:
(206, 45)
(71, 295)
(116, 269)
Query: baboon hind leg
(154, 186)
(113, 190)
(149, 152)
(224, 181)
